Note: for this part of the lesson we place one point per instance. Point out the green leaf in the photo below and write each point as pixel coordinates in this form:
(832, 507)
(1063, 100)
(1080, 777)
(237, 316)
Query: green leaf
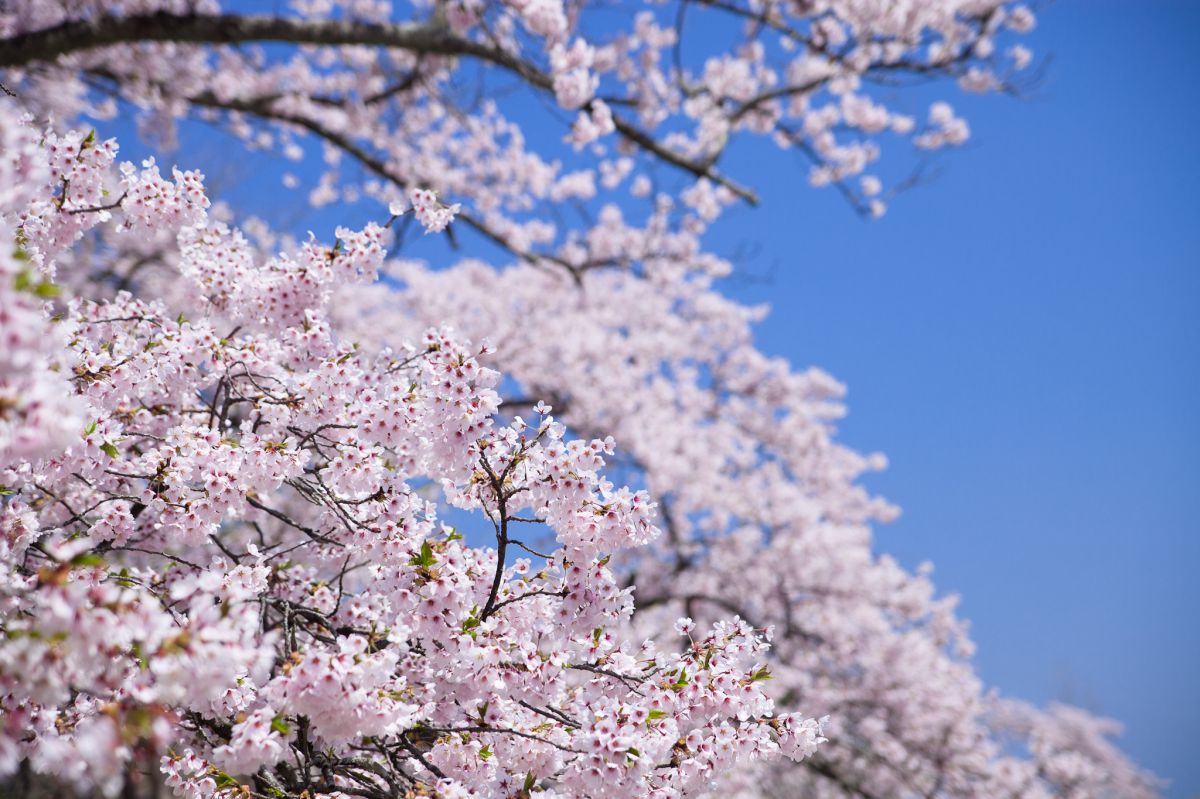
(485, 753)
(123, 579)
(656, 714)
(24, 281)
(529, 783)
(222, 779)
(5, 491)
(86, 559)
(280, 726)
(426, 558)
(109, 450)
(682, 681)
(136, 651)
(762, 674)
(91, 428)
(46, 290)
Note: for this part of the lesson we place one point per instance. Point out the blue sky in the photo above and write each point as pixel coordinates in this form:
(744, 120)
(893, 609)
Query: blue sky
(1020, 337)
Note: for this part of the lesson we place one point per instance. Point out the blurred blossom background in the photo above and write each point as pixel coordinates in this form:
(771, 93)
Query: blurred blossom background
(1021, 336)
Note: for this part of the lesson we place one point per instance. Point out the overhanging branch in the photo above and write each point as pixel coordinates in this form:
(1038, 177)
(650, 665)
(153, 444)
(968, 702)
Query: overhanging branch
(423, 38)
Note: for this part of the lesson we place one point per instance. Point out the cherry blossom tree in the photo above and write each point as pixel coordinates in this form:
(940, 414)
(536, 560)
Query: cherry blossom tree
(310, 518)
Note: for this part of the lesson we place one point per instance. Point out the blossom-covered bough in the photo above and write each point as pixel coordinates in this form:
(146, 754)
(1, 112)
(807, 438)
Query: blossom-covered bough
(269, 527)
(229, 555)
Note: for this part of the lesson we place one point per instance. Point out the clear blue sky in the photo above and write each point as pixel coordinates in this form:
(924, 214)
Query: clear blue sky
(1021, 337)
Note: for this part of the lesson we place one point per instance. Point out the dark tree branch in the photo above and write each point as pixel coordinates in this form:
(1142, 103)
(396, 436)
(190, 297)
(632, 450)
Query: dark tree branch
(422, 38)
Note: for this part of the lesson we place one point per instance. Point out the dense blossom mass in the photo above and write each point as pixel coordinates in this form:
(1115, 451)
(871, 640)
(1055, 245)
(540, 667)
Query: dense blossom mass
(301, 518)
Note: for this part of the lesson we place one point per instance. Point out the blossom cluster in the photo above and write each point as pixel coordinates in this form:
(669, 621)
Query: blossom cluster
(813, 78)
(268, 526)
(762, 517)
(433, 215)
(234, 570)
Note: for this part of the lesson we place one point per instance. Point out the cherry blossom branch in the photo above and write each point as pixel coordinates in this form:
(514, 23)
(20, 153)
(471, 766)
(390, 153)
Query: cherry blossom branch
(555, 715)
(96, 209)
(74, 36)
(501, 525)
(425, 38)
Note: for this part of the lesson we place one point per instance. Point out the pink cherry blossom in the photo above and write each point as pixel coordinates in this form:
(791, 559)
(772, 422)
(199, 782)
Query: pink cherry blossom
(296, 517)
